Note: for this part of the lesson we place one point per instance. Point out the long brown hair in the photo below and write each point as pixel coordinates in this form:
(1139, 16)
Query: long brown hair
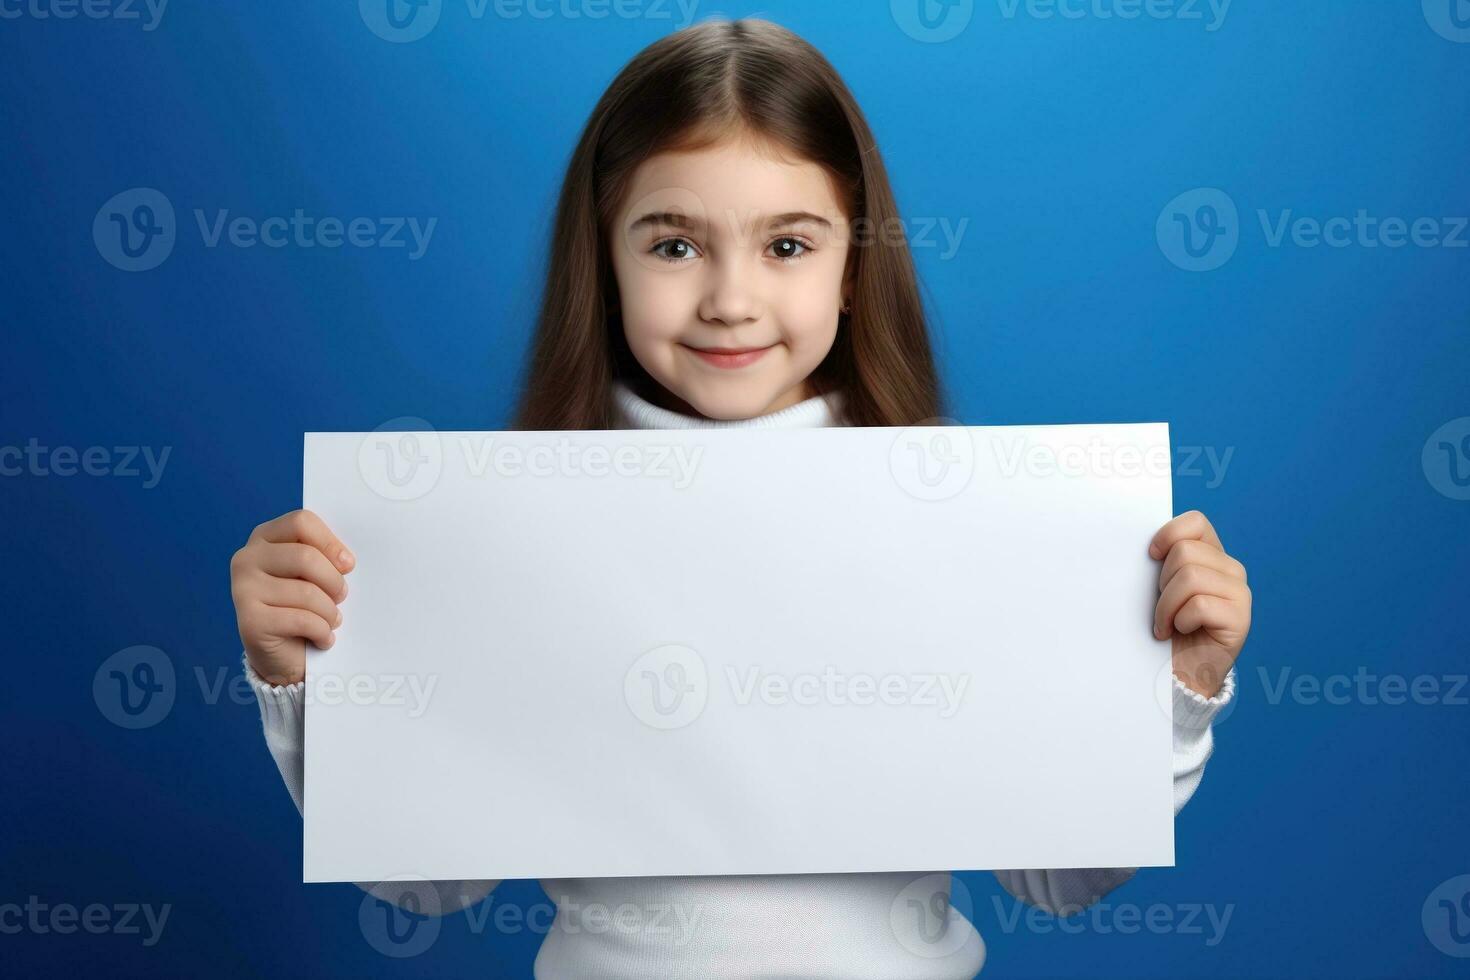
(686, 91)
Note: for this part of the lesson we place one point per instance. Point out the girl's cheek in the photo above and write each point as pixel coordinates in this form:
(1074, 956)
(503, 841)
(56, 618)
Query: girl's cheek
(809, 315)
(655, 307)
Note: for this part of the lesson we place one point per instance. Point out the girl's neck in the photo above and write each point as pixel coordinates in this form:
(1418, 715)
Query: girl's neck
(645, 409)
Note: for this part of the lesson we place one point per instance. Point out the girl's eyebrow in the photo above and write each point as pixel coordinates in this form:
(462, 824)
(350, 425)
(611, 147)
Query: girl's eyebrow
(672, 218)
(677, 220)
(792, 217)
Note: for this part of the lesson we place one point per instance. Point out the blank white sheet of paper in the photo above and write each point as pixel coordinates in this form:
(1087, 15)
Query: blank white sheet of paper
(739, 651)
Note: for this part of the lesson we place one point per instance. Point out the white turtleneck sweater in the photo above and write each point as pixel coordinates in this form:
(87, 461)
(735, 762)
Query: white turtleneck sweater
(790, 926)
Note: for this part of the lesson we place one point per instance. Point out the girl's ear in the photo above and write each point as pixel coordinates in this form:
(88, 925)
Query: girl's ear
(849, 275)
(610, 291)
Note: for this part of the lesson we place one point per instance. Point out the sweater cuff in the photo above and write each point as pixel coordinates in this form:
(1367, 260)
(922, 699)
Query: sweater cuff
(1193, 710)
(282, 706)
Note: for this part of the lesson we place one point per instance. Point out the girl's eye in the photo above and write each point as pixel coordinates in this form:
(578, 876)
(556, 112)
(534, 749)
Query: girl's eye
(786, 248)
(673, 250)
(789, 249)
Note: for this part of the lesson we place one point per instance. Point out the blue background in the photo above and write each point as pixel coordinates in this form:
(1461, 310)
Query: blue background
(1325, 370)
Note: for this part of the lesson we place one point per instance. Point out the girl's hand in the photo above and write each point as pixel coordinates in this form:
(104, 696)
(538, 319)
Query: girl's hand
(287, 582)
(1204, 602)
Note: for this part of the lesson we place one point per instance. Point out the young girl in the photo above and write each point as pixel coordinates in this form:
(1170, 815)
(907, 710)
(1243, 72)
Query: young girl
(723, 256)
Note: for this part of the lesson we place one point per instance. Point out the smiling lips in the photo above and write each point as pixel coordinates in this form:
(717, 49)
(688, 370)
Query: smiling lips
(730, 357)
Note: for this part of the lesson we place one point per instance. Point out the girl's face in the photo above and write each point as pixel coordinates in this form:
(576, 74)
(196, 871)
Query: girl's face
(730, 268)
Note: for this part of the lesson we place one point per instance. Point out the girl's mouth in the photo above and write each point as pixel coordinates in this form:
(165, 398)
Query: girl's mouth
(729, 357)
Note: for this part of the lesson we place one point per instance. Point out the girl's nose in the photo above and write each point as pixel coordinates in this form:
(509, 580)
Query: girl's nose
(731, 297)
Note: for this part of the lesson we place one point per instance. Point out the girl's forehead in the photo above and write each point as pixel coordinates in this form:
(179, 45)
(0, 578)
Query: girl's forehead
(729, 176)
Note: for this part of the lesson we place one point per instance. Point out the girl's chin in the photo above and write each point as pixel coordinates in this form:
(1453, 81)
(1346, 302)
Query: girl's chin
(732, 400)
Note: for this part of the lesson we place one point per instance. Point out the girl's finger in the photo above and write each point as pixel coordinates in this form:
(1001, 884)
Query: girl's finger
(305, 527)
(301, 623)
(295, 593)
(1191, 525)
(1192, 580)
(1192, 552)
(303, 561)
(1209, 612)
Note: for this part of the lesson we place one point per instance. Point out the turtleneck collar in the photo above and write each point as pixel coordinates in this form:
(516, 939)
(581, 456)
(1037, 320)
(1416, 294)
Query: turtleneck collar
(636, 412)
